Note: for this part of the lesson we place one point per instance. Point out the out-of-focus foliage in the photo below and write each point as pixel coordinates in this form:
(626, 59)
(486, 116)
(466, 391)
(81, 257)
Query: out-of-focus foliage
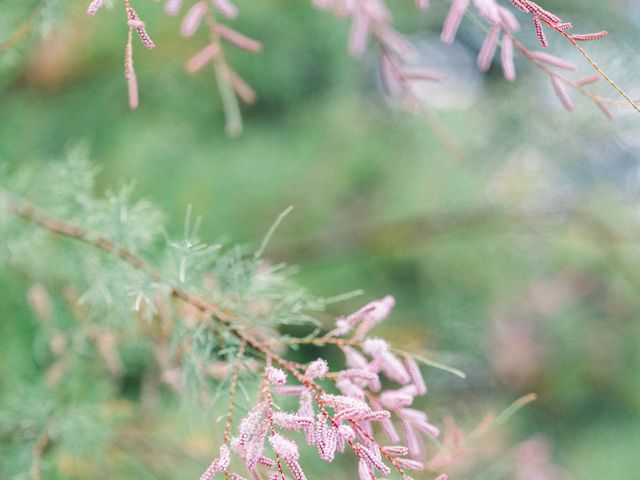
(516, 261)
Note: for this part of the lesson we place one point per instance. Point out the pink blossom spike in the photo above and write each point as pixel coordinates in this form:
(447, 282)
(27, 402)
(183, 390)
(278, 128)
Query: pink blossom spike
(542, 38)
(366, 454)
(361, 377)
(238, 39)
(422, 4)
(395, 399)
(276, 376)
(411, 440)
(290, 421)
(393, 368)
(553, 60)
(488, 49)
(350, 389)
(416, 376)
(365, 471)
(94, 6)
(192, 19)
(396, 450)
(442, 476)
(200, 59)
(172, 7)
(410, 464)
(221, 464)
(508, 20)
(135, 22)
(588, 80)
(267, 462)
(354, 359)
(564, 26)
(305, 409)
(284, 447)
(589, 36)
(288, 451)
(506, 57)
(226, 8)
(561, 93)
(358, 35)
(293, 390)
(317, 369)
(452, 22)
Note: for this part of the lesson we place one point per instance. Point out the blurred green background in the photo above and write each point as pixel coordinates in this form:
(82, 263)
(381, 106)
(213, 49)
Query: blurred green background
(506, 228)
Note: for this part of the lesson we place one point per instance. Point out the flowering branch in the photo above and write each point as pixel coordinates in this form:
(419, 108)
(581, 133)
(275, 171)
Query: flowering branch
(372, 19)
(342, 419)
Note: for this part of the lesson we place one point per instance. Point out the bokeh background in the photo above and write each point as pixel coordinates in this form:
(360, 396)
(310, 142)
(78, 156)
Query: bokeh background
(506, 228)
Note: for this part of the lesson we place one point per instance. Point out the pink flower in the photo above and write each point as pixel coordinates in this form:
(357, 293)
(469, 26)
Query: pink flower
(317, 369)
(276, 376)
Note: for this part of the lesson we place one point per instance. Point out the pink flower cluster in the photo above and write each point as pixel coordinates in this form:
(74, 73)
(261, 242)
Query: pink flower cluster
(366, 411)
(371, 22)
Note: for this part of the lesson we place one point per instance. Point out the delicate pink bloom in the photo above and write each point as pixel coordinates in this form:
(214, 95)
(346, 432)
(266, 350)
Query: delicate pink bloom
(358, 35)
(442, 476)
(422, 4)
(361, 377)
(452, 22)
(395, 399)
(350, 389)
(396, 450)
(508, 67)
(488, 49)
(276, 376)
(553, 60)
(416, 376)
(371, 458)
(172, 7)
(365, 471)
(226, 8)
(138, 25)
(561, 92)
(326, 438)
(238, 39)
(94, 6)
(305, 409)
(355, 359)
(419, 421)
(290, 421)
(267, 462)
(289, 389)
(192, 19)
(542, 38)
(589, 36)
(288, 451)
(201, 58)
(369, 316)
(411, 439)
(340, 402)
(410, 464)
(221, 464)
(588, 80)
(317, 369)
(375, 347)
(508, 20)
(285, 448)
(386, 361)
